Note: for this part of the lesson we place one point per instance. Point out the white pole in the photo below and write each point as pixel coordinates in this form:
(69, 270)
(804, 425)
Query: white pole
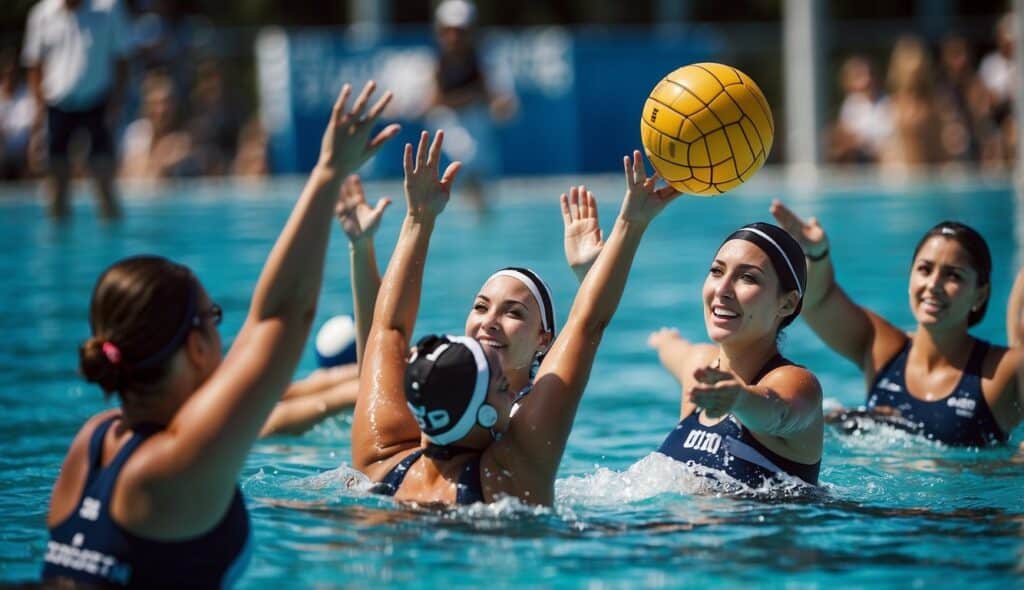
(1018, 110)
(802, 58)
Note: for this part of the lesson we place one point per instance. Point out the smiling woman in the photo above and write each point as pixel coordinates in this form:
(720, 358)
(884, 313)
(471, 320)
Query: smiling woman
(747, 411)
(939, 381)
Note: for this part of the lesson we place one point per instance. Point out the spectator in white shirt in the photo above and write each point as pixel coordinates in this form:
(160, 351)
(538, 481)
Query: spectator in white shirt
(76, 53)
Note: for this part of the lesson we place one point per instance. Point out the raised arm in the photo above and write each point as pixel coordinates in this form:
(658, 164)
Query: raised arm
(192, 465)
(786, 404)
(360, 222)
(383, 425)
(681, 358)
(1015, 312)
(856, 333)
(583, 239)
(533, 446)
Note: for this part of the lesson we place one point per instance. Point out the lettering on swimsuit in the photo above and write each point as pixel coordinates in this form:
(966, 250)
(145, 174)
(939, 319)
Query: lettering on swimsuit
(702, 440)
(889, 385)
(78, 558)
(964, 406)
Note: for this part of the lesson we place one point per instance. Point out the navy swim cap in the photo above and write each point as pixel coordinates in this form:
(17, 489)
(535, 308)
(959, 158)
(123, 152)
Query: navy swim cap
(785, 253)
(446, 383)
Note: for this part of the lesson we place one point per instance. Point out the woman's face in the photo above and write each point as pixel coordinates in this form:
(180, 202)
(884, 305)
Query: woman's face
(943, 285)
(742, 296)
(507, 319)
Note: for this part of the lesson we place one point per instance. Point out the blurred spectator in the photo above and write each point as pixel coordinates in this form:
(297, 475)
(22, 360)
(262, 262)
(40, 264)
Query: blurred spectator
(865, 120)
(969, 132)
(76, 53)
(917, 125)
(997, 71)
(17, 114)
(154, 145)
(215, 121)
(251, 159)
(464, 105)
(163, 37)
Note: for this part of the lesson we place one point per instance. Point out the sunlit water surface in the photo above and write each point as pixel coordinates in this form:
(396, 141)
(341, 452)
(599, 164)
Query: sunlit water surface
(891, 511)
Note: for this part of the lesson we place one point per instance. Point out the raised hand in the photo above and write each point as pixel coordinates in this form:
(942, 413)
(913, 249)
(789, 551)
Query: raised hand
(425, 193)
(643, 200)
(583, 238)
(809, 234)
(716, 391)
(358, 220)
(664, 337)
(346, 145)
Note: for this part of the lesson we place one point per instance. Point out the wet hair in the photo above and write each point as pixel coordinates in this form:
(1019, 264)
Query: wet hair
(141, 313)
(977, 250)
(786, 255)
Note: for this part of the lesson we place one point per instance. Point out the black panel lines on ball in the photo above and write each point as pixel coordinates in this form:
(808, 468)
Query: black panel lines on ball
(764, 108)
(660, 133)
(671, 108)
(756, 130)
(712, 74)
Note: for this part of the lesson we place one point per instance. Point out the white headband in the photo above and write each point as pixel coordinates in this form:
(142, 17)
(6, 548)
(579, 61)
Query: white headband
(483, 378)
(532, 286)
(796, 278)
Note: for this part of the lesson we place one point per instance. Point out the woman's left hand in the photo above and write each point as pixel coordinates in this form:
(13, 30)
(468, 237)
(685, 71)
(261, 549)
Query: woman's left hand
(643, 201)
(716, 391)
(583, 239)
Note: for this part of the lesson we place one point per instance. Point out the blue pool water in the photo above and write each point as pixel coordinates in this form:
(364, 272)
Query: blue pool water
(893, 511)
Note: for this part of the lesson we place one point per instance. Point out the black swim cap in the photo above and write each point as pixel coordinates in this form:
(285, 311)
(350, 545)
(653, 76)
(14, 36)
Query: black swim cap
(446, 383)
(538, 288)
(786, 255)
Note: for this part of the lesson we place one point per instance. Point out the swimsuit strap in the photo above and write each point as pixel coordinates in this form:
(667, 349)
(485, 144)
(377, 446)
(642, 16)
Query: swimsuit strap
(469, 489)
(393, 480)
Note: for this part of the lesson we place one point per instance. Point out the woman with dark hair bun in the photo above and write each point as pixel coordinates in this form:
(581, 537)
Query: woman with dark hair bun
(147, 496)
(937, 381)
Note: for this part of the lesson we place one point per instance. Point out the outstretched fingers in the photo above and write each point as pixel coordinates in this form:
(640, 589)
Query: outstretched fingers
(380, 105)
(337, 113)
(790, 221)
(566, 213)
(362, 99)
(384, 135)
(448, 178)
(434, 157)
(421, 150)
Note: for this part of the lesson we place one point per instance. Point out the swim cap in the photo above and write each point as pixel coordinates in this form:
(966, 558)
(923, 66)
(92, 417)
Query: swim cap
(785, 253)
(455, 13)
(538, 288)
(336, 342)
(446, 382)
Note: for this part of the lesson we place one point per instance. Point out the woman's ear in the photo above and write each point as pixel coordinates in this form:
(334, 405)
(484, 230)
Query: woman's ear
(789, 303)
(981, 297)
(544, 343)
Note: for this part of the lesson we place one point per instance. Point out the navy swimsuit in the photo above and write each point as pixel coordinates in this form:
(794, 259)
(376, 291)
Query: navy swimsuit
(90, 547)
(961, 419)
(468, 490)
(731, 448)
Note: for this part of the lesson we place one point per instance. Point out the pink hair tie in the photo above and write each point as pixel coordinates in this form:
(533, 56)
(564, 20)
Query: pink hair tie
(112, 352)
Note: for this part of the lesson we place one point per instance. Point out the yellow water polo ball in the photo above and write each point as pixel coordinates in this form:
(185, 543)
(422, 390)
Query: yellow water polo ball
(706, 128)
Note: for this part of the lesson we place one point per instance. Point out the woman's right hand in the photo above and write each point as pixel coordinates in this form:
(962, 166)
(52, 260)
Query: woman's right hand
(426, 194)
(643, 201)
(345, 146)
(358, 220)
(808, 233)
(663, 337)
(583, 239)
